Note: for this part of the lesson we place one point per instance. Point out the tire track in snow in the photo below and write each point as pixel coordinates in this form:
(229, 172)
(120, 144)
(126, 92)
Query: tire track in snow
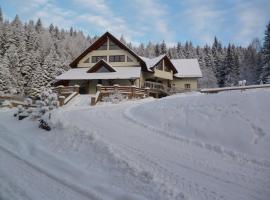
(243, 178)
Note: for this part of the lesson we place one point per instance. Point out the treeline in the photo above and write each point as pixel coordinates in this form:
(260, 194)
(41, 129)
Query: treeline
(32, 55)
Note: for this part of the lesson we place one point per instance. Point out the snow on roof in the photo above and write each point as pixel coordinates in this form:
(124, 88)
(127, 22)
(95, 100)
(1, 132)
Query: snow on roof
(151, 62)
(187, 68)
(121, 73)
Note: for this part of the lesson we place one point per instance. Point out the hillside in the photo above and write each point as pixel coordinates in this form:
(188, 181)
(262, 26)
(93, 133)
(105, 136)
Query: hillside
(188, 146)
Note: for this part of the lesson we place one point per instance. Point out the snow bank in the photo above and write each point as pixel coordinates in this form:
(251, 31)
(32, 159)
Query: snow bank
(234, 120)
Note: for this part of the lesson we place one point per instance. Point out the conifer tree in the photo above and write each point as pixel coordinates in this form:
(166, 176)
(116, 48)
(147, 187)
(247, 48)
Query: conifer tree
(266, 56)
(1, 15)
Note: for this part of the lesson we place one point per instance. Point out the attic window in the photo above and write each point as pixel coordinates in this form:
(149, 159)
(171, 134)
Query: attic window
(113, 46)
(87, 60)
(103, 46)
(159, 66)
(129, 59)
(117, 58)
(102, 69)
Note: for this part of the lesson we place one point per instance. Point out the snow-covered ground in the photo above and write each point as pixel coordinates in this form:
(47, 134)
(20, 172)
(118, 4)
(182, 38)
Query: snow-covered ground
(189, 146)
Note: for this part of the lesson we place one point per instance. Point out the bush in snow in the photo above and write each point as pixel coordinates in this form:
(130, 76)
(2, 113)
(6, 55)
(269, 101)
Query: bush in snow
(47, 102)
(114, 97)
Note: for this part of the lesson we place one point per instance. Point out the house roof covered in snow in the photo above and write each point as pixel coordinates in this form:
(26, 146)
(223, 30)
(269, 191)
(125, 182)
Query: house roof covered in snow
(187, 68)
(151, 62)
(83, 74)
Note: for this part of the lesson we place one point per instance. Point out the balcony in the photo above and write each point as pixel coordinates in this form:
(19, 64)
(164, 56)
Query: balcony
(163, 74)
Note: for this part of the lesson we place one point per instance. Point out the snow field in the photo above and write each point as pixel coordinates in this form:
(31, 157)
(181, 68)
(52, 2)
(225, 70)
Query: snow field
(146, 149)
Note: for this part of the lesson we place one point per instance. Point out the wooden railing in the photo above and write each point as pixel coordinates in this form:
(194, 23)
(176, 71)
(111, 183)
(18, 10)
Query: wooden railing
(154, 86)
(66, 93)
(66, 89)
(161, 88)
(129, 91)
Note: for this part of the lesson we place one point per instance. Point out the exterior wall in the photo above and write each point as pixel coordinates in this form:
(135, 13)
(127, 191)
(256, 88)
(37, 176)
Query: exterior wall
(108, 53)
(179, 83)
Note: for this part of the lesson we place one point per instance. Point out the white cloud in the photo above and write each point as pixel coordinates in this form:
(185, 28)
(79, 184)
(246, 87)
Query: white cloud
(153, 16)
(103, 18)
(251, 21)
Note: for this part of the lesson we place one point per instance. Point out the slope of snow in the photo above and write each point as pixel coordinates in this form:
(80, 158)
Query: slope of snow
(128, 151)
(237, 120)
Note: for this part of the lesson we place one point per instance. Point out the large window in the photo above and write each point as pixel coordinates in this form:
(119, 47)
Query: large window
(117, 58)
(97, 58)
(159, 66)
(113, 46)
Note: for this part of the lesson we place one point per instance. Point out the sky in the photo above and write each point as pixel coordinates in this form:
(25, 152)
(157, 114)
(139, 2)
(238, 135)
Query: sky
(232, 21)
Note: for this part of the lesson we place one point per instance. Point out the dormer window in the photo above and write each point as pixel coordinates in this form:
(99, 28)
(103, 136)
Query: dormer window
(159, 66)
(113, 46)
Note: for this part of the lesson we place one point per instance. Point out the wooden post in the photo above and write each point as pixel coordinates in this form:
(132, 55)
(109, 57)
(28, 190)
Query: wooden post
(61, 100)
(99, 87)
(60, 88)
(93, 101)
(133, 91)
(115, 88)
(147, 89)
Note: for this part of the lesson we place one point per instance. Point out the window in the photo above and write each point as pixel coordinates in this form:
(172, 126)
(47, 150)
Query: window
(159, 66)
(97, 58)
(102, 69)
(166, 69)
(117, 58)
(187, 86)
(103, 46)
(129, 59)
(113, 46)
(87, 60)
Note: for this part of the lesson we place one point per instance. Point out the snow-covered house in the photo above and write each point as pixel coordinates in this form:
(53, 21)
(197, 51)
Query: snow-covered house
(108, 61)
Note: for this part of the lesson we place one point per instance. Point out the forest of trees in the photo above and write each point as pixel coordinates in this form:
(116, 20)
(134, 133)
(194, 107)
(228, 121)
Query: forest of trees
(32, 55)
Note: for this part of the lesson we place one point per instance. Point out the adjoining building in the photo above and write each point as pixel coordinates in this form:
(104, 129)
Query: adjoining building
(108, 61)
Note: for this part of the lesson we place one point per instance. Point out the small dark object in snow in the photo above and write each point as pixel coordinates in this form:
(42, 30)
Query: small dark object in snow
(21, 117)
(15, 114)
(44, 125)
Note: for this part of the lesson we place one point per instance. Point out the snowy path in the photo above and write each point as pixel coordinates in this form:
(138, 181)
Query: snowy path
(124, 152)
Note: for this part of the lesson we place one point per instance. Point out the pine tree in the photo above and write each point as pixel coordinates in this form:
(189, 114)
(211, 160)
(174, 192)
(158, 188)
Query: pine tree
(157, 50)
(38, 26)
(180, 52)
(163, 48)
(266, 55)
(1, 15)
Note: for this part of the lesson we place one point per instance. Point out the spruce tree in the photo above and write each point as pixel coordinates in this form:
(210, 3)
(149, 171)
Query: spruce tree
(163, 48)
(1, 15)
(266, 56)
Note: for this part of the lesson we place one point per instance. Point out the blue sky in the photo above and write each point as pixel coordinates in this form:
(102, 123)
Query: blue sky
(236, 21)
